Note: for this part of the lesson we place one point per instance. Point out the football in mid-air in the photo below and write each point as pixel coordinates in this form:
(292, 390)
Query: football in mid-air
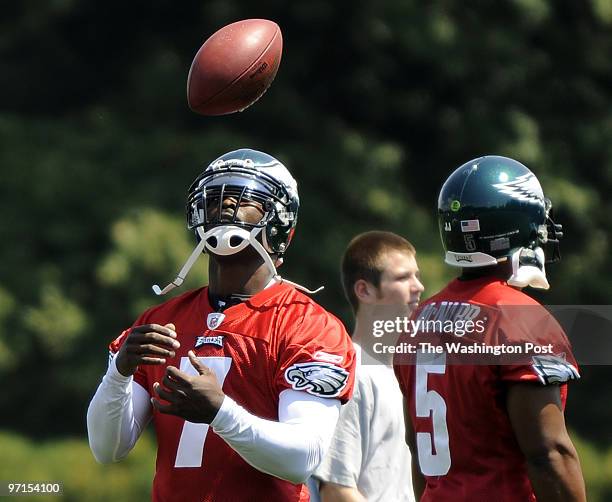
(234, 67)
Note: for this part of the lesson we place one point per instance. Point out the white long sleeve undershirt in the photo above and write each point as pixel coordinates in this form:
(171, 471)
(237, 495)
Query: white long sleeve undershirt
(289, 449)
(117, 415)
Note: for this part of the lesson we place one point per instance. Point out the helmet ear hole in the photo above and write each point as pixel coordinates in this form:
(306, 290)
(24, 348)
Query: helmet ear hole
(212, 241)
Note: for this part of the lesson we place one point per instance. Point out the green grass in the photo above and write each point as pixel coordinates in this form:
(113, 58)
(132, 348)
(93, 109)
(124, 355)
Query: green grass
(70, 461)
(597, 470)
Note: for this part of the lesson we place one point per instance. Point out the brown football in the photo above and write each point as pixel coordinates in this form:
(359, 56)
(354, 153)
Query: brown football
(234, 67)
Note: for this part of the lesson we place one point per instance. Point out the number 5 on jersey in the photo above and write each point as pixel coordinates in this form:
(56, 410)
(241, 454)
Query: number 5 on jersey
(191, 444)
(430, 403)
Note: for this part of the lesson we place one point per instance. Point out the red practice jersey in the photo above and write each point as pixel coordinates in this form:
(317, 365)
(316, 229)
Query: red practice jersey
(273, 341)
(466, 445)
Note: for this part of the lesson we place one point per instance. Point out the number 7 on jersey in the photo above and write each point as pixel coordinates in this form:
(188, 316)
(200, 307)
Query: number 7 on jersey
(191, 444)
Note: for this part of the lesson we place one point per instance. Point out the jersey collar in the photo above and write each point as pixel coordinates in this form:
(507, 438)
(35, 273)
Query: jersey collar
(476, 283)
(257, 300)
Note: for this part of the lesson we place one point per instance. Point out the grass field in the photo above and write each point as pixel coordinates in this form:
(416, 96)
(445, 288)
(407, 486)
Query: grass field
(70, 461)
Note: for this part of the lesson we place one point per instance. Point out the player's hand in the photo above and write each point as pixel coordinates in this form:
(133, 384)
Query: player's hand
(146, 344)
(194, 398)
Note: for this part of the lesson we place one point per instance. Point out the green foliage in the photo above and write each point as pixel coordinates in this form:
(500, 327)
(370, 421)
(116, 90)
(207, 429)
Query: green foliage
(70, 462)
(373, 107)
(597, 469)
(146, 242)
(56, 323)
(7, 307)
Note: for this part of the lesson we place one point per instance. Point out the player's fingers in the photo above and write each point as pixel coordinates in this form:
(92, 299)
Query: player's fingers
(150, 349)
(166, 395)
(151, 336)
(170, 326)
(200, 368)
(172, 384)
(178, 376)
(168, 409)
(139, 338)
(155, 328)
(151, 360)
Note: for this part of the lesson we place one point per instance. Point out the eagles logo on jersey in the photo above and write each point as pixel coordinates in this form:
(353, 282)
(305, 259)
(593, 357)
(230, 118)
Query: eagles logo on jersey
(318, 379)
(554, 369)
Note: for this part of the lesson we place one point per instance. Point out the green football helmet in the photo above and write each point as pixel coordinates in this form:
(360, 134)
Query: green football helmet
(491, 207)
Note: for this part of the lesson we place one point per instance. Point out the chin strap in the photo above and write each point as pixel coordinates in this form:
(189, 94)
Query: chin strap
(528, 269)
(222, 238)
(195, 254)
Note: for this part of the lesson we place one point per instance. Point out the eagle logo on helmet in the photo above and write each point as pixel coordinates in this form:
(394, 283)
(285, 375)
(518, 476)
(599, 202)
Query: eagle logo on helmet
(318, 379)
(525, 187)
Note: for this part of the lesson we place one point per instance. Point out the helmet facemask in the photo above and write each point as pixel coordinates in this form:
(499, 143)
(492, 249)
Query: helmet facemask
(528, 263)
(226, 233)
(553, 234)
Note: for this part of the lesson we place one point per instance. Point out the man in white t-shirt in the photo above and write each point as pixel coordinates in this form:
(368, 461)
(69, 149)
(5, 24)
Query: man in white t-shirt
(368, 458)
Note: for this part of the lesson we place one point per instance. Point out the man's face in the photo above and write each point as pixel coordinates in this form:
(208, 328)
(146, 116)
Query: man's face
(399, 281)
(248, 212)
(396, 297)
